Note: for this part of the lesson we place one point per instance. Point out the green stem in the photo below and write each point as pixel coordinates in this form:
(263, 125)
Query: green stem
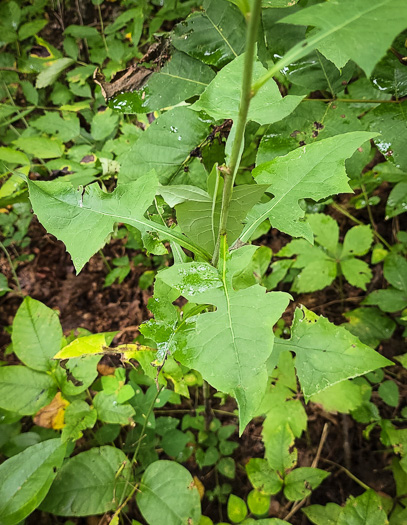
(105, 261)
(354, 219)
(12, 267)
(102, 28)
(150, 409)
(247, 94)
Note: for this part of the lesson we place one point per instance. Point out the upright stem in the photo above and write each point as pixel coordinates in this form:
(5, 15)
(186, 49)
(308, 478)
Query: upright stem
(231, 169)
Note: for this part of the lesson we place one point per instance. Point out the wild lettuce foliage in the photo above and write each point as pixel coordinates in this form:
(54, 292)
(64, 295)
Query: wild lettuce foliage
(246, 118)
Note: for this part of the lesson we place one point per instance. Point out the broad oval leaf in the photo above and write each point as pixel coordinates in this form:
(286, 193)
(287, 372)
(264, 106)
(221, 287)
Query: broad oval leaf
(25, 391)
(37, 334)
(89, 483)
(26, 478)
(167, 489)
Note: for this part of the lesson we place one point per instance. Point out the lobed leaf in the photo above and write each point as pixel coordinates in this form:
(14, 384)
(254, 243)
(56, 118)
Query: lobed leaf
(315, 171)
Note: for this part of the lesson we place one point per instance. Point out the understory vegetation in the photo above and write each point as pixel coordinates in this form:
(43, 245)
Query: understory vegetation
(203, 278)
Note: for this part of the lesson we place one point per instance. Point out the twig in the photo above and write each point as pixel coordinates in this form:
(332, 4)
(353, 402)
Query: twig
(314, 464)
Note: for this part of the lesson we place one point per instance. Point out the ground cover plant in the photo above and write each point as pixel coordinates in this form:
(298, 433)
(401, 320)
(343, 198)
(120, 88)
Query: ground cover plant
(250, 158)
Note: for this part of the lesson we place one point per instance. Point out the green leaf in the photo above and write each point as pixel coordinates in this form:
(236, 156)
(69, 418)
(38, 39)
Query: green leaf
(25, 391)
(40, 147)
(397, 200)
(49, 75)
(357, 241)
(392, 299)
(78, 416)
(89, 483)
(165, 146)
(258, 503)
(341, 397)
(278, 3)
(110, 410)
(318, 268)
(237, 510)
(327, 354)
(66, 128)
(315, 171)
(241, 316)
(181, 78)
(13, 156)
(263, 477)
(313, 121)
(104, 124)
(359, 30)
(280, 451)
(31, 28)
(26, 478)
(389, 392)
(168, 485)
(70, 216)
(221, 98)
(326, 231)
(320, 515)
(300, 481)
(395, 271)
(370, 325)
(356, 272)
(89, 344)
(215, 36)
(81, 371)
(364, 510)
(391, 122)
(199, 217)
(36, 335)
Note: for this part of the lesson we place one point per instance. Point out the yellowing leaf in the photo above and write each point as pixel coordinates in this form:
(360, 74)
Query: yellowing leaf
(52, 415)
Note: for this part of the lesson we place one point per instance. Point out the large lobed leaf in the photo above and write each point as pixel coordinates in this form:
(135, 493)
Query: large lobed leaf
(327, 354)
(84, 218)
(315, 171)
(231, 345)
(359, 30)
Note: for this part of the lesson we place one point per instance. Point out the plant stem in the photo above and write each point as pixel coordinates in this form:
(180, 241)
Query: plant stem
(105, 261)
(150, 409)
(11, 267)
(354, 219)
(247, 94)
(102, 28)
